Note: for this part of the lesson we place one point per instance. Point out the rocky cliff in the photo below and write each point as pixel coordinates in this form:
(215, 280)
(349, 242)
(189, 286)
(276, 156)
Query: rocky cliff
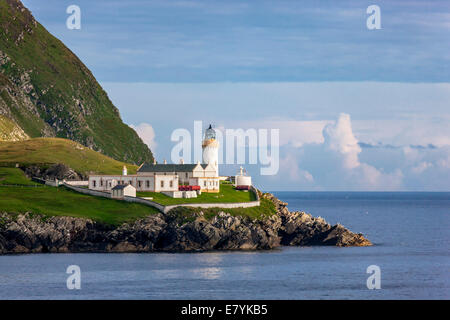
(46, 91)
(26, 233)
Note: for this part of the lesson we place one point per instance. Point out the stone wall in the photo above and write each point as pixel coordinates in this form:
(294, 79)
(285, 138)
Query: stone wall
(88, 191)
(215, 205)
(77, 182)
(146, 202)
(165, 209)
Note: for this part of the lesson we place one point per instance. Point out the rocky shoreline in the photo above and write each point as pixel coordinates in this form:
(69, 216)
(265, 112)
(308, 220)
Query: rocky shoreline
(28, 233)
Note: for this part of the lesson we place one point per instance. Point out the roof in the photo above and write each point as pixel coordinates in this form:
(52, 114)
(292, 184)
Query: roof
(121, 186)
(169, 167)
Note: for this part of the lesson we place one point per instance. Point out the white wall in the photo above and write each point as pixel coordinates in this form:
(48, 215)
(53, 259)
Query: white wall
(208, 184)
(134, 181)
(129, 191)
(166, 185)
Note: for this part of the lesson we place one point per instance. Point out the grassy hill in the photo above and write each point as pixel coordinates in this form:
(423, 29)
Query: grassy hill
(48, 92)
(50, 201)
(14, 176)
(56, 150)
(20, 195)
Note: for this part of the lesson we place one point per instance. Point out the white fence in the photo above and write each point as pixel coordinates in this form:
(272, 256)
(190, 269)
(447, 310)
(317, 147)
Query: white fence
(215, 205)
(77, 182)
(88, 191)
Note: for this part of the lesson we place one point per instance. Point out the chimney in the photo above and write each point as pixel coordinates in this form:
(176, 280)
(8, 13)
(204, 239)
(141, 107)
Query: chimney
(124, 171)
(154, 161)
(181, 161)
(165, 161)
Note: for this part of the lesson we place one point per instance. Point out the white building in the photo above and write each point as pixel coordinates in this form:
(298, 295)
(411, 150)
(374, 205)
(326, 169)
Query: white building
(169, 177)
(242, 181)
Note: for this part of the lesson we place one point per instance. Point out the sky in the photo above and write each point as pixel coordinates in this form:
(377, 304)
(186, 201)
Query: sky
(356, 109)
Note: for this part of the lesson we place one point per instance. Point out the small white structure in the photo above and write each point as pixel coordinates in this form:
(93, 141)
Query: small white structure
(122, 190)
(241, 180)
(180, 194)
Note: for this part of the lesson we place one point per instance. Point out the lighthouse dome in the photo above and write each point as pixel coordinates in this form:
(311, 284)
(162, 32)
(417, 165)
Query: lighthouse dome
(210, 133)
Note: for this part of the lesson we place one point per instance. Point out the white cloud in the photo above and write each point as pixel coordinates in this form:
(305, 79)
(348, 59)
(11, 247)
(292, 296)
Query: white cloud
(334, 164)
(146, 132)
(339, 137)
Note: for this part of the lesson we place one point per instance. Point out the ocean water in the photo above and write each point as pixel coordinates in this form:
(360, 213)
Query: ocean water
(410, 232)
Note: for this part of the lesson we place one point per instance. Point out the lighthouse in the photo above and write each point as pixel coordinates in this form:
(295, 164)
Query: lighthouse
(210, 147)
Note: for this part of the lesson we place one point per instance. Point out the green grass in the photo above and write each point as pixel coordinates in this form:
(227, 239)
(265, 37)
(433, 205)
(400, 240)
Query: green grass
(50, 201)
(57, 150)
(227, 194)
(187, 214)
(14, 176)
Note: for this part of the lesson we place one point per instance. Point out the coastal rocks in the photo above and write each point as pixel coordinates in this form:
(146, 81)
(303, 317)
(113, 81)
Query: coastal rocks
(180, 230)
(302, 229)
(140, 236)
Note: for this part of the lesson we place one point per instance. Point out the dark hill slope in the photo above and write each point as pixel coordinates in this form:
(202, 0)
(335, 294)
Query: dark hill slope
(48, 92)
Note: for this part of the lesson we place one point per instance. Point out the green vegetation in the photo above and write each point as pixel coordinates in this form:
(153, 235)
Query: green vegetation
(19, 195)
(227, 194)
(9, 131)
(46, 90)
(55, 150)
(14, 176)
(187, 214)
(50, 201)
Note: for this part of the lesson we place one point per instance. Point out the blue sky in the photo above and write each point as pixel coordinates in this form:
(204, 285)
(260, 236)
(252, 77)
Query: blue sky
(234, 40)
(357, 109)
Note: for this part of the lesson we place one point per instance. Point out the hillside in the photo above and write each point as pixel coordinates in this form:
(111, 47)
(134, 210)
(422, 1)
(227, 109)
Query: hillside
(10, 131)
(57, 150)
(20, 195)
(46, 91)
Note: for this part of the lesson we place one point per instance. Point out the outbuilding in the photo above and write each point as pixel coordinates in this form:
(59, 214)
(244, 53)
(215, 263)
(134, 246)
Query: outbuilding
(122, 190)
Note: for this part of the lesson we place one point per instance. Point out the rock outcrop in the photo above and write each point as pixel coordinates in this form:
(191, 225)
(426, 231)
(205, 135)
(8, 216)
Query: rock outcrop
(28, 233)
(57, 171)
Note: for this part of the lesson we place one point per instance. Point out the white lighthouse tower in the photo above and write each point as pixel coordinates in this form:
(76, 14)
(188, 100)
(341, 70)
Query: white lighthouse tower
(210, 148)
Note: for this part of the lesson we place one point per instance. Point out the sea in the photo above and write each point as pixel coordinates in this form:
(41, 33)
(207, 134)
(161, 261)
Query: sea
(410, 259)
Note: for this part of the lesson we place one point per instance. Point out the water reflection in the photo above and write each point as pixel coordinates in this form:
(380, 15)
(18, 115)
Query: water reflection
(207, 273)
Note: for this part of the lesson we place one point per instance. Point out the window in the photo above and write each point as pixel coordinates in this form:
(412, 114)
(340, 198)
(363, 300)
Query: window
(171, 183)
(187, 175)
(162, 183)
(101, 183)
(94, 183)
(148, 183)
(204, 183)
(139, 184)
